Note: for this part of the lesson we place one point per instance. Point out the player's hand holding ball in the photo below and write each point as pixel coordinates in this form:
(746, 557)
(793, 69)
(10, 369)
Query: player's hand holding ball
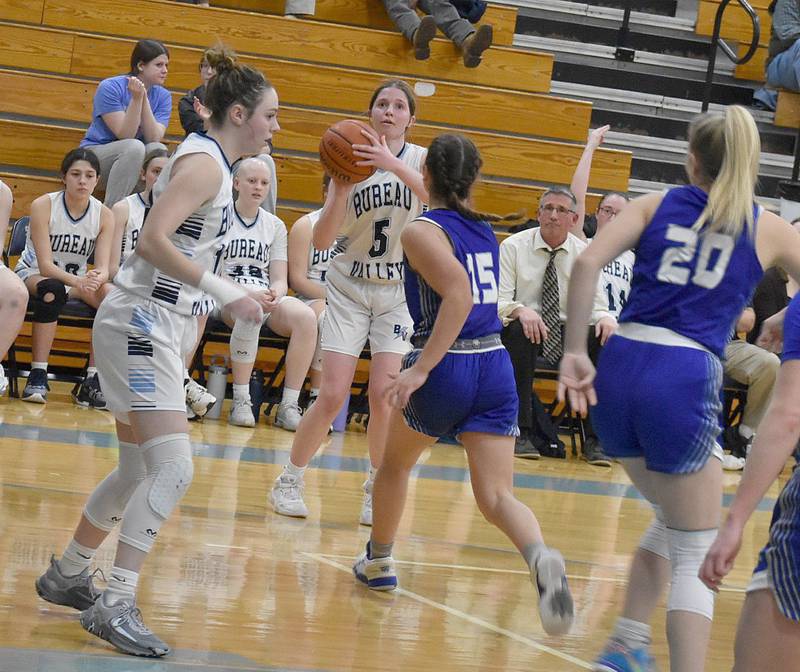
(337, 151)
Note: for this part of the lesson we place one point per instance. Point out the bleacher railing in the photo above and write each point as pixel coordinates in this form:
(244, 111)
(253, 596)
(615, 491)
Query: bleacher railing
(717, 41)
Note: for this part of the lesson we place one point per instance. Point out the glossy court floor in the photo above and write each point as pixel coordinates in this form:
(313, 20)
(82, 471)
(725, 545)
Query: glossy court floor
(231, 586)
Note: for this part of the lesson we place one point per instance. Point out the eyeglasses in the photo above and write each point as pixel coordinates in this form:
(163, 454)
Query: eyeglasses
(608, 212)
(558, 209)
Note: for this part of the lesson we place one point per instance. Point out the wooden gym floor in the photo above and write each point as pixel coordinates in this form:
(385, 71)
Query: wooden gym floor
(232, 586)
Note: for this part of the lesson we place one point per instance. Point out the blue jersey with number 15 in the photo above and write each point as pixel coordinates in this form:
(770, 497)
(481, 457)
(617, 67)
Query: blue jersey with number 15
(475, 247)
(695, 284)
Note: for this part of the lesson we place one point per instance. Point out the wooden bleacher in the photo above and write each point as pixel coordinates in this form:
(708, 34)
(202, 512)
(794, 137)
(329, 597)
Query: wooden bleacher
(324, 69)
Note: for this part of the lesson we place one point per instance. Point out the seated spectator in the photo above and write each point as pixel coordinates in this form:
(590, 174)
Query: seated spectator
(12, 289)
(753, 366)
(535, 267)
(66, 228)
(255, 256)
(615, 278)
(130, 212)
(782, 67)
(129, 117)
(299, 9)
(191, 108)
(307, 269)
(440, 14)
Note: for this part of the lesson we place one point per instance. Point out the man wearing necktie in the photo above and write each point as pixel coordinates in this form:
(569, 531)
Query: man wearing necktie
(535, 266)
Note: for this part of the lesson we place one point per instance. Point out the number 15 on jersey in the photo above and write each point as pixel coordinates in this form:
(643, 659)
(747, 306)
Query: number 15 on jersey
(480, 268)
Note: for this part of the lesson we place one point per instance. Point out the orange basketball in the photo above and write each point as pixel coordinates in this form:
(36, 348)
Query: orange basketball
(336, 151)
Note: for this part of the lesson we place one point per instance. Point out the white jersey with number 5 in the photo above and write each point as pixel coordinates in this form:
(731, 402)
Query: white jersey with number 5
(368, 246)
(71, 239)
(200, 238)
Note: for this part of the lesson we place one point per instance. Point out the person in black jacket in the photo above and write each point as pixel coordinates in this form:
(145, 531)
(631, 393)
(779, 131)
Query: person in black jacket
(188, 108)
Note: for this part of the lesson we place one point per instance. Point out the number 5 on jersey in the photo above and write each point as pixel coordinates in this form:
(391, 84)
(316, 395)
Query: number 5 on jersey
(480, 268)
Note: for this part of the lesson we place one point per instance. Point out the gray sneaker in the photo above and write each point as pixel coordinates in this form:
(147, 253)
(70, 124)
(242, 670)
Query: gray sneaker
(77, 592)
(121, 625)
(288, 416)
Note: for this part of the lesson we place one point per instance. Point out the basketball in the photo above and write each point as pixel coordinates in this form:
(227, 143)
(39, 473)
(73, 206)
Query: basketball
(336, 151)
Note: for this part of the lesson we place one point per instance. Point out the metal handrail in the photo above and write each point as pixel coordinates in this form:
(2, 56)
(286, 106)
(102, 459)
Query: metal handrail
(716, 40)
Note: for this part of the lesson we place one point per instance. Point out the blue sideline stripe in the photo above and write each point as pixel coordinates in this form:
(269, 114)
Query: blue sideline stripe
(342, 463)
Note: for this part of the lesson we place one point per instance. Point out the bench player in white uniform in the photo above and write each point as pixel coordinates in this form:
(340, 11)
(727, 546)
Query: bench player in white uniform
(141, 333)
(365, 288)
(308, 267)
(66, 228)
(255, 258)
(12, 289)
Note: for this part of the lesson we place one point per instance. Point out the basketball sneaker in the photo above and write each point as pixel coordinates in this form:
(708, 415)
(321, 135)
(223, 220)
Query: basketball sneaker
(3, 381)
(88, 394)
(377, 574)
(121, 625)
(555, 601)
(198, 397)
(617, 657)
(77, 591)
(242, 413)
(286, 496)
(366, 506)
(36, 388)
(288, 416)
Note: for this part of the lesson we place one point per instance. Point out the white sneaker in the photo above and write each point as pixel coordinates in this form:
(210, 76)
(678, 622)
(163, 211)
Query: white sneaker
(286, 496)
(556, 608)
(732, 463)
(288, 416)
(366, 506)
(242, 413)
(3, 381)
(378, 574)
(198, 397)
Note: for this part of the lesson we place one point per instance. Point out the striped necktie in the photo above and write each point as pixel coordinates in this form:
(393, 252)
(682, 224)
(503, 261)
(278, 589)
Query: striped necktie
(552, 347)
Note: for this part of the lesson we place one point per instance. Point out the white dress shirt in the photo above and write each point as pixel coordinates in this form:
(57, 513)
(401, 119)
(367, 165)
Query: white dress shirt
(523, 260)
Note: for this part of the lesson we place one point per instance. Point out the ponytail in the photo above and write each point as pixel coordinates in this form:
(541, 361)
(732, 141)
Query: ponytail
(727, 151)
(233, 83)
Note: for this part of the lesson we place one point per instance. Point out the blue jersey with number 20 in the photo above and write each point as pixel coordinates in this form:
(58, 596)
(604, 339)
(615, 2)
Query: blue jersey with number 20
(695, 284)
(475, 247)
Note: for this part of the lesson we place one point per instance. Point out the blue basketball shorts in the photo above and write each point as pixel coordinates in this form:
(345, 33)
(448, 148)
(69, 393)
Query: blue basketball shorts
(659, 402)
(778, 567)
(465, 392)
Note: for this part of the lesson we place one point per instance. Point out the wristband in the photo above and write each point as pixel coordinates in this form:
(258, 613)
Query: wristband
(223, 291)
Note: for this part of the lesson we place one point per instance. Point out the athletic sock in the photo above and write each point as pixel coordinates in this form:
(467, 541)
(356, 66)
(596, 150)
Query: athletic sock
(76, 558)
(379, 550)
(290, 397)
(295, 471)
(121, 586)
(632, 634)
(241, 391)
(532, 552)
(39, 365)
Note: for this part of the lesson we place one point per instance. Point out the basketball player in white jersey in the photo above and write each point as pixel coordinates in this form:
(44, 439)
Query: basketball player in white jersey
(364, 287)
(12, 290)
(308, 267)
(141, 333)
(66, 228)
(255, 258)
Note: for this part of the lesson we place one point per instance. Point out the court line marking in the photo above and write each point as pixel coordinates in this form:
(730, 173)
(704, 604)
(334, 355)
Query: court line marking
(527, 641)
(500, 570)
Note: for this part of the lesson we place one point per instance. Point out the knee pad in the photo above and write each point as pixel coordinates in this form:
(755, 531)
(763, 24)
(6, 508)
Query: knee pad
(109, 499)
(244, 341)
(48, 311)
(169, 460)
(687, 550)
(655, 537)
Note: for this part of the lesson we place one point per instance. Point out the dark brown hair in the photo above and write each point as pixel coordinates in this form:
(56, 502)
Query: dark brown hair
(395, 84)
(233, 83)
(80, 154)
(144, 52)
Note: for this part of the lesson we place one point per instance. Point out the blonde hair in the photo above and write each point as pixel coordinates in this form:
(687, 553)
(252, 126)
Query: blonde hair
(252, 162)
(727, 150)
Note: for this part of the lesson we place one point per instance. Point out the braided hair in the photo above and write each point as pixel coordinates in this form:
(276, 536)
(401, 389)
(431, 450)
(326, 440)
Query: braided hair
(454, 164)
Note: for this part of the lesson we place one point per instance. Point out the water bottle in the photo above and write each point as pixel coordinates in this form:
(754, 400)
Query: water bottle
(217, 383)
(256, 391)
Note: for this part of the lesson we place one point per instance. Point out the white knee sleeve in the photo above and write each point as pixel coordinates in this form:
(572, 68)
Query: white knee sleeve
(316, 362)
(169, 474)
(687, 550)
(244, 341)
(655, 537)
(109, 499)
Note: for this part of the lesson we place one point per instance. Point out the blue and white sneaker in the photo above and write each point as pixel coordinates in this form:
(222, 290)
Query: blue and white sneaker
(617, 657)
(377, 574)
(36, 388)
